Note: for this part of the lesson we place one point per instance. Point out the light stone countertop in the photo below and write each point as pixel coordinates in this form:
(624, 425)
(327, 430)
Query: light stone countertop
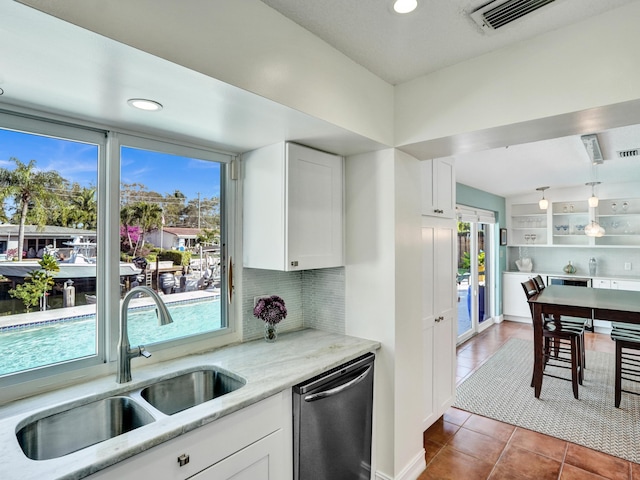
(268, 368)
(579, 274)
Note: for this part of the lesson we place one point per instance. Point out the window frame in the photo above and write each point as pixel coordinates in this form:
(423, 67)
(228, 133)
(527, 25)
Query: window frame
(109, 141)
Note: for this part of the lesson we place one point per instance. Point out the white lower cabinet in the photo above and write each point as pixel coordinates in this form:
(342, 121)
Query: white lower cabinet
(254, 443)
(601, 283)
(514, 301)
(632, 285)
(259, 461)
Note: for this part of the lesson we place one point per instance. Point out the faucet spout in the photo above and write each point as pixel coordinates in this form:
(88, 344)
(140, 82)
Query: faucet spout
(125, 352)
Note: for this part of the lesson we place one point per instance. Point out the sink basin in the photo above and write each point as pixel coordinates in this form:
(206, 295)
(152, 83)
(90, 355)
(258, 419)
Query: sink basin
(79, 427)
(190, 389)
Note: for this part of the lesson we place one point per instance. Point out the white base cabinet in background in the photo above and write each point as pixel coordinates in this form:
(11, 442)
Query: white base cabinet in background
(439, 316)
(254, 443)
(514, 302)
(292, 208)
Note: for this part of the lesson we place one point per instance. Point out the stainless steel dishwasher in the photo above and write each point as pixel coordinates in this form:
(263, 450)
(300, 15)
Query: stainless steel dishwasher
(332, 415)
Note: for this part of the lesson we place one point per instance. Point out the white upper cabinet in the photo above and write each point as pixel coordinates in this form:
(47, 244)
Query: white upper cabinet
(438, 188)
(293, 209)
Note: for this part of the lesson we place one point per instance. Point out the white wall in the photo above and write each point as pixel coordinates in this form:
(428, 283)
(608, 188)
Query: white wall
(369, 274)
(247, 44)
(383, 280)
(408, 316)
(589, 64)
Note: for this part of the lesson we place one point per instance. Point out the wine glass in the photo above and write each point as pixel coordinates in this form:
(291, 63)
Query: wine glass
(614, 207)
(527, 237)
(533, 238)
(625, 206)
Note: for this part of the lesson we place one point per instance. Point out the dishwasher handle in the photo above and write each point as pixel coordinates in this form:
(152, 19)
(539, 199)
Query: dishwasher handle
(340, 388)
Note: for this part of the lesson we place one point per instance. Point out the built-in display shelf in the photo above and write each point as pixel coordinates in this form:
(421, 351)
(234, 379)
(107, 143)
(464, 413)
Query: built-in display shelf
(564, 223)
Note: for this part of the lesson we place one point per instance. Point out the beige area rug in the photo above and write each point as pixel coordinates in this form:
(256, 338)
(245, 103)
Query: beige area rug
(500, 389)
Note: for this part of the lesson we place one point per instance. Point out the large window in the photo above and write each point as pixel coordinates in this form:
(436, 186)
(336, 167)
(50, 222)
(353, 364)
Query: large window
(79, 229)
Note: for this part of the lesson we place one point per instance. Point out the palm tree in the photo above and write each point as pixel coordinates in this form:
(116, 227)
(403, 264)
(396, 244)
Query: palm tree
(128, 219)
(85, 201)
(149, 216)
(30, 189)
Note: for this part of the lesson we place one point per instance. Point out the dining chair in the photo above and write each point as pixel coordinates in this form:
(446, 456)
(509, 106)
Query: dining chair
(565, 339)
(567, 322)
(627, 338)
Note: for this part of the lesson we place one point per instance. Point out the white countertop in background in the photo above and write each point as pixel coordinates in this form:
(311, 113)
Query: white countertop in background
(268, 368)
(576, 275)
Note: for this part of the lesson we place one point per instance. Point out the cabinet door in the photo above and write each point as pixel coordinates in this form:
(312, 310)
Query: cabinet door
(514, 301)
(259, 461)
(315, 209)
(446, 187)
(439, 317)
(444, 361)
(626, 285)
(429, 414)
(445, 323)
(438, 188)
(601, 283)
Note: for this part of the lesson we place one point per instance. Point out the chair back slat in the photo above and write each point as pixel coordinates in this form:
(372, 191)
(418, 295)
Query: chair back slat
(539, 282)
(529, 288)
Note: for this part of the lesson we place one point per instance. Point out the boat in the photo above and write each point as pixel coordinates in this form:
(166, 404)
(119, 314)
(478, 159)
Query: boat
(81, 263)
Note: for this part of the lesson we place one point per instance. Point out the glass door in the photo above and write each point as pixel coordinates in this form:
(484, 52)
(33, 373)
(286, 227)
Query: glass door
(475, 275)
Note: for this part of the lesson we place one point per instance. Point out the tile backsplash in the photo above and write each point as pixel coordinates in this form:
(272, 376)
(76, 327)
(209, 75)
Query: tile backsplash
(314, 298)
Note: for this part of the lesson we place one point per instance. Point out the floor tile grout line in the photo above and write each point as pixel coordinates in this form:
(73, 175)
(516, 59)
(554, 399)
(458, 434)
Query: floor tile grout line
(504, 449)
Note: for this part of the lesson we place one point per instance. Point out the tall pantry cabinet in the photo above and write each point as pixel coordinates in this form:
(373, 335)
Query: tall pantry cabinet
(439, 296)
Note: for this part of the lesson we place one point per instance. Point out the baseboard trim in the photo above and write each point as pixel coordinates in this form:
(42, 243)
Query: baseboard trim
(410, 472)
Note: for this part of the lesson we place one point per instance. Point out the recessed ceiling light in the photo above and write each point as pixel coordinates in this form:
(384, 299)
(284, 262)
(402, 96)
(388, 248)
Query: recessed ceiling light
(405, 6)
(144, 104)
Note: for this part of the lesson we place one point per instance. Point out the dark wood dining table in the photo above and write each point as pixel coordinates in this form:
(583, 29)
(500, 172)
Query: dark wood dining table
(598, 303)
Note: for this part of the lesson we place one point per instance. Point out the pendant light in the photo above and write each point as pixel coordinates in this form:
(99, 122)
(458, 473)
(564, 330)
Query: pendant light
(593, 200)
(543, 203)
(594, 229)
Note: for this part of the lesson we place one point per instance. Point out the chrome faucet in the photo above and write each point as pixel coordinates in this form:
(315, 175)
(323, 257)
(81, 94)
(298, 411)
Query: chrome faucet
(125, 352)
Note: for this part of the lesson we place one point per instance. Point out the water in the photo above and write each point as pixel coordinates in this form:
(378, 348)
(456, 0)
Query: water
(38, 346)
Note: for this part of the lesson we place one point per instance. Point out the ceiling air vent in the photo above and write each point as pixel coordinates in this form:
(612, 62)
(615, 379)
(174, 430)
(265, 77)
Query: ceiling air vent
(499, 13)
(634, 152)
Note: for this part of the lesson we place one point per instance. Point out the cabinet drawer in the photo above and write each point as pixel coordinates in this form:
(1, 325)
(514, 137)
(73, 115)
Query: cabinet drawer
(206, 445)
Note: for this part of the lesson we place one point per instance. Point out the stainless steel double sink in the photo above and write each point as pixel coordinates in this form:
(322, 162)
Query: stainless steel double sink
(50, 435)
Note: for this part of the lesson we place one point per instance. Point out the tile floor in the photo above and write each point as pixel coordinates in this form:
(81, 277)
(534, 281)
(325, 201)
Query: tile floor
(464, 446)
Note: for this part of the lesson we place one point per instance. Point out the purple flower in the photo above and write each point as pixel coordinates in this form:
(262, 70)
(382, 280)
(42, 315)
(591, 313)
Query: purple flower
(270, 309)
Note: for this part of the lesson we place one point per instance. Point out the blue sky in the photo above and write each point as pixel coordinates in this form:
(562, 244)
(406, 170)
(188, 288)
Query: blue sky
(77, 162)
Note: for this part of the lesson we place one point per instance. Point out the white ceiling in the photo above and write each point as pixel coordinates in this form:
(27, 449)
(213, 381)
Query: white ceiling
(439, 33)
(51, 65)
(561, 162)
(54, 66)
